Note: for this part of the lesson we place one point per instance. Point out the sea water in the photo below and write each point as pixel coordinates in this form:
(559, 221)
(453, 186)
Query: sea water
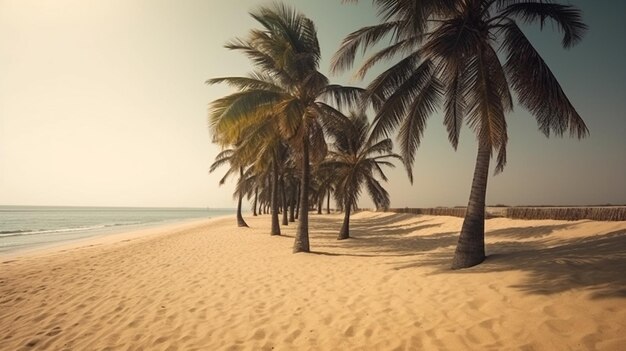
(25, 227)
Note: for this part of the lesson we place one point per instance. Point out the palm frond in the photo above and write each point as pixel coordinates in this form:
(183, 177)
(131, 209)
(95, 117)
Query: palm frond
(414, 124)
(404, 97)
(567, 17)
(226, 112)
(365, 38)
(379, 195)
(455, 105)
(329, 117)
(245, 83)
(380, 147)
(260, 59)
(288, 115)
(385, 84)
(319, 148)
(402, 47)
(221, 159)
(342, 96)
(486, 112)
(537, 88)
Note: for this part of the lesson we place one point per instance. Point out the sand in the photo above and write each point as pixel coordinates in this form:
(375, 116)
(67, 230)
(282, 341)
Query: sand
(547, 285)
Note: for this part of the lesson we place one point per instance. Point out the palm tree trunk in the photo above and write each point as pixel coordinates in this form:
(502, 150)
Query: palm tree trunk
(301, 243)
(240, 221)
(292, 202)
(328, 202)
(284, 198)
(256, 195)
(275, 227)
(320, 203)
(298, 202)
(345, 228)
(470, 250)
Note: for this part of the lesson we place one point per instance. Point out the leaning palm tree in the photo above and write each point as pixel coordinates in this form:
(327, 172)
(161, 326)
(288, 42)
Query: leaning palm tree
(448, 48)
(290, 90)
(250, 183)
(356, 160)
(229, 157)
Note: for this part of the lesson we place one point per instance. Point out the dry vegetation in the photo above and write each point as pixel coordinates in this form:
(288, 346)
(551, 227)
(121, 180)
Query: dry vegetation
(608, 213)
(568, 213)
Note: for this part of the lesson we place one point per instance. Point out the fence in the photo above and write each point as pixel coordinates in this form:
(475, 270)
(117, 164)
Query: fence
(615, 213)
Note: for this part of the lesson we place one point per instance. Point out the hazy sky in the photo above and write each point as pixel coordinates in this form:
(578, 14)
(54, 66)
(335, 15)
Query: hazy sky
(104, 103)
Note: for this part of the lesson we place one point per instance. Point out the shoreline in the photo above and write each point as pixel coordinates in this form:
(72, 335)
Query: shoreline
(211, 285)
(114, 235)
(29, 228)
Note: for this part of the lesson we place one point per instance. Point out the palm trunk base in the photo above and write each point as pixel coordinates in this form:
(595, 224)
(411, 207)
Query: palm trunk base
(275, 230)
(240, 221)
(343, 235)
(301, 246)
(465, 257)
(345, 227)
(292, 212)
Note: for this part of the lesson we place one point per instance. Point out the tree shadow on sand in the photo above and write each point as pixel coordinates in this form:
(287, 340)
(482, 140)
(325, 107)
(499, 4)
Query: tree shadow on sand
(385, 236)
(529, 232)
(596, 263)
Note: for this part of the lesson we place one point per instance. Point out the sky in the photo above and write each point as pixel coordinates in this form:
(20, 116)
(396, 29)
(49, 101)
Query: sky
(103, 103)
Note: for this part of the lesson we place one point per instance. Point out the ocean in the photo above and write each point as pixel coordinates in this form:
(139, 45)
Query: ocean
(26, 227)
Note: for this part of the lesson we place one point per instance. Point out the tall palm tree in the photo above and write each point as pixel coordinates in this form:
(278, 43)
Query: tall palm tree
(356, 160)
(448, 49)
(290, 90)
(229, 157)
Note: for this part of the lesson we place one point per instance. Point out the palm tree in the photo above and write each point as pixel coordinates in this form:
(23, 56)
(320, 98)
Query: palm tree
(290, 90)
(250, 184)
(448, 48)
(264, 145)
(229, 157)
(324, 177)
(356, 160)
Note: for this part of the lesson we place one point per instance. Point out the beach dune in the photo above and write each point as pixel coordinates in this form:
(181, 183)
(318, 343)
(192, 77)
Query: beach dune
(209, 285)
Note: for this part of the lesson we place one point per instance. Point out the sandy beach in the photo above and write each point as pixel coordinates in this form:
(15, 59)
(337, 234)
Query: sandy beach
(208, 285)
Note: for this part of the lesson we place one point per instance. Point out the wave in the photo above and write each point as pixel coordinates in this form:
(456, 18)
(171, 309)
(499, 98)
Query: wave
(21, 232)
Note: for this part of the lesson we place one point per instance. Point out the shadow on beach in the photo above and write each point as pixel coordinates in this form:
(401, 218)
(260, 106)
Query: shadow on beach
(595, 263)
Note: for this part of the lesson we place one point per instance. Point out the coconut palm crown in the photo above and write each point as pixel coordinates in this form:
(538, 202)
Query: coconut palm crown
(447, 54)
